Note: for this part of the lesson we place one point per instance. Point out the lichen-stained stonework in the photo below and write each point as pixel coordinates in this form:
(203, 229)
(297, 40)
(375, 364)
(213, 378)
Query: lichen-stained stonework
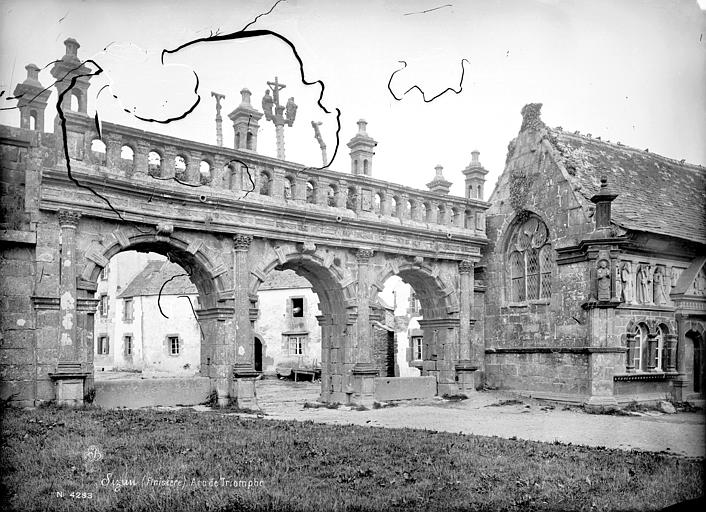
(592, 247)
(228, 228)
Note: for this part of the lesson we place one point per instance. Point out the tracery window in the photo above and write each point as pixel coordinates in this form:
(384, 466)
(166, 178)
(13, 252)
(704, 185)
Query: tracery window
(530, 262)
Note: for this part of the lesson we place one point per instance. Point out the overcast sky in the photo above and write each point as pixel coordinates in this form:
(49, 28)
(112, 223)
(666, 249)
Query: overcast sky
(629, 71)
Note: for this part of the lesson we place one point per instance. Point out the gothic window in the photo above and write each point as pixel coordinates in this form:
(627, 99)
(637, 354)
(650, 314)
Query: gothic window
(530, 262)
(640, 346)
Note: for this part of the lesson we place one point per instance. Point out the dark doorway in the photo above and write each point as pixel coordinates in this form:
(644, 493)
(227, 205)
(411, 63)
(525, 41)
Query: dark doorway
(258, 355)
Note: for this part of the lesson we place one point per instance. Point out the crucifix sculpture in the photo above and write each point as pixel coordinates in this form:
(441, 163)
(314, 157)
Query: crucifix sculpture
(282, 114)
(219, 119)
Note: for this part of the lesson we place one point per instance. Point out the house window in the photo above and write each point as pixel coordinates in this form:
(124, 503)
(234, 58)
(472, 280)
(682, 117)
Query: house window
(297, 307)
(417, 342)
(103, 346)
(127, 344)
(296, 345)
(103, 305)
(173, 345)
(530, 262)
(414, 305)
(128, 310)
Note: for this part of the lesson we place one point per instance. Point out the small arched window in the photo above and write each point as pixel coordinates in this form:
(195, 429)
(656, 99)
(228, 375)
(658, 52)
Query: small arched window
(480, 193)
(205, 171)
(310, 192)
(530, 262)
(154, 163)
(641, 347)
(393, 206)
(33, 120)
(249, 141)
(179, 166)
(127, 153)
(98, 150)
(75, 101)
(377, 203)
(440, 214)
(424, 211)
(366, 168)
(237, 141)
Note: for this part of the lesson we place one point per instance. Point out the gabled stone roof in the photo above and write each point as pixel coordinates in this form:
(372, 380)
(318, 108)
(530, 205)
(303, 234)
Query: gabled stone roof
(655, 194)
(154, 275)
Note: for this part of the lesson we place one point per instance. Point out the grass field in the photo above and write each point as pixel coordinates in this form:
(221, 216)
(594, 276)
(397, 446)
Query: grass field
(169, 461)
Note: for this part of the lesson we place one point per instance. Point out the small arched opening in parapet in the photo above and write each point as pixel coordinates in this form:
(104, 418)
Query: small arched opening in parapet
(406, 300)
(98, 150)
(127, 158)
(205, 174)
(424, 212)
(366, 167)
(440, 214)
(408, 210)
(264, 183)
(352, 199)
(310, 191)
(468, 219)
(33, 120)
(154, 163)
(289, 187)
(331, 192)
(249, 140)
(230, 171)
(180, 163)
(303, 312)
(455, 217)
(394, 206)
(149, 296)
(75, 101)
(377, 203)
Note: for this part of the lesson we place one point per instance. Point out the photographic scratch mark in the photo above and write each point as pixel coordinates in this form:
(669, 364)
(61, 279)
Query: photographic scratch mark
(460, 84)
(428, 10)
(193, 311)
(260, 15)
(63, 17)
(161, 289)
(245, 34)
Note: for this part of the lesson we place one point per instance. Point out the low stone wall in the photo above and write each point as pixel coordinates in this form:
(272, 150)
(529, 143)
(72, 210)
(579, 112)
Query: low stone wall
(558, 373)
(640, 388)
(404, 388)
(133, 393)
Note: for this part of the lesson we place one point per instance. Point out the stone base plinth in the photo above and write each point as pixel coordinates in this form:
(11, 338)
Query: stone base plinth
(68, 388)
(363, 385)
(466, 377)
(243, 388)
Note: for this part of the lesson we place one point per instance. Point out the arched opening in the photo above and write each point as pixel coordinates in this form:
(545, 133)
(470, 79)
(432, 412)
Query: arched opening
(264, 183)
(302, 319)
(440, 215)
(205, 172)
(33, 120)
(154, 163)
(377, 203)
(258, 351)
(75, 101)
(352, 199)
(355, 166)
(409, 210)
(423, 212)
(249, 141)
(366, 167)
(468, 219)
(145, 325)
(310, 192)
(98, 151)
(288, 187)
(394, 204)
(180, 166)
(231, 174)
(237, 141)
(407, 300)
(694, 360)
(331, 192)
(479, 193)
(127, 153)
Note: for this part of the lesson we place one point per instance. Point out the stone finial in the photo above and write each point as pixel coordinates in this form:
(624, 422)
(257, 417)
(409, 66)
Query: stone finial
(603, 200)
(531, 119)
(474, 158)
(72, 47)
(32, 74)
(439, 183)
(362, 124)
(245, 95)
(362, 148)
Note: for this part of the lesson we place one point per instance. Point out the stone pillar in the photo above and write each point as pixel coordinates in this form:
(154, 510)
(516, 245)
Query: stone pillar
(342, 194)
(651, 352)
(218, 350)
(142, 149)
(682, 380)
(70, 374)
(112, 150)
(630, 341)
(465, 369)
(244, 373)
(193, 167)
(168, 169)
(364, 370)
(670, 341)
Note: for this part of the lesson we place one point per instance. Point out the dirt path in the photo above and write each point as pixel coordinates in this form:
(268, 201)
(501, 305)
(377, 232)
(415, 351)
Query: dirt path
(682, 433)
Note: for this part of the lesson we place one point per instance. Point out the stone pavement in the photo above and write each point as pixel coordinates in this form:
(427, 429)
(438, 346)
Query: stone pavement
(681, 433)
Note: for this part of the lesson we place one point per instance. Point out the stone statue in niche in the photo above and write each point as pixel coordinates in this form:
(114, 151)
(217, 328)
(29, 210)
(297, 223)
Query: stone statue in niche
(661, 286)
(618, 282)
(644, 284)
(628, 283)
(603, 278)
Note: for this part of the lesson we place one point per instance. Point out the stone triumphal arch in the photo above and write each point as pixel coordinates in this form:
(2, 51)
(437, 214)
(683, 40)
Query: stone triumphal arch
(229, 217)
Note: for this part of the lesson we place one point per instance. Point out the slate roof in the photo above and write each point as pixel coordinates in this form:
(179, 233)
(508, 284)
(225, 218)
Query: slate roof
(284, 279)
(154, 275)
(655, 194)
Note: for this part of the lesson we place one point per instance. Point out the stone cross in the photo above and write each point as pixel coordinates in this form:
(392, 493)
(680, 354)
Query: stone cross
(278, 118)
(219, 119)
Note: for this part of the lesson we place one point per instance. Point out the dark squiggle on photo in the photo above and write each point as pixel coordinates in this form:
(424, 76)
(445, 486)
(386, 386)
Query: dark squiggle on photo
(460, 84)
(428, 10)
